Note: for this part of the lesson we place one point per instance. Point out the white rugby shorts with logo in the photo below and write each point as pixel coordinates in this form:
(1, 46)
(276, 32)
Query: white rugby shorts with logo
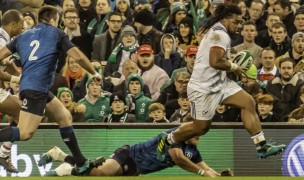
(203, 105)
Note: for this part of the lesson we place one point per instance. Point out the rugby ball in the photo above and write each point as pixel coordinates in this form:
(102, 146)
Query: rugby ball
(243, 59)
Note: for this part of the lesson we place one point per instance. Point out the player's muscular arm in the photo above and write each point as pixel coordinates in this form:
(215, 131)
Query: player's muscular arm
(182, 161)
(217, 60)
(81, 59)
(4, 52)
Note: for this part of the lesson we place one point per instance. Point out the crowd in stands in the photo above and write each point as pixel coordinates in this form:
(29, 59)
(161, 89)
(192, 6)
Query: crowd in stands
(146, 51)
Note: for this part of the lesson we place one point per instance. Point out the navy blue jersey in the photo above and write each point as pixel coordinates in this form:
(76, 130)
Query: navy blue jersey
(39, 49)
(144, 155)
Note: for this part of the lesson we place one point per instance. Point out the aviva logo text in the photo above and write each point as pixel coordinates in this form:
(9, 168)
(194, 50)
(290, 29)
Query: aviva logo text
(293, 158)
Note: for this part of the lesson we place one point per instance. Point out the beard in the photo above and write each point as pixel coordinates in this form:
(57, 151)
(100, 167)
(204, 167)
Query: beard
(145, 68)
(286, 78)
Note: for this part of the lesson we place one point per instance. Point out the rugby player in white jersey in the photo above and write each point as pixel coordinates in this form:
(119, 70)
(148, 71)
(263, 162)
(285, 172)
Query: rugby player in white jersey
(209, 86)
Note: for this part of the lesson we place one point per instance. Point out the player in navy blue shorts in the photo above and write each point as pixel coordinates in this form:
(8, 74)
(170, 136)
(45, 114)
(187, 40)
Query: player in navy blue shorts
(140, 158)
(39, 49)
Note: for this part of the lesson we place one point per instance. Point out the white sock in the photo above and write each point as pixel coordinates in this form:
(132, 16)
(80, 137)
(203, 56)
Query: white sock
(5, 149)
(65, 169)
(258, 137)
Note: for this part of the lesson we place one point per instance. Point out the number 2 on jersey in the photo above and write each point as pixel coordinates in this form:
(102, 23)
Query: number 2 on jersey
(36, 45)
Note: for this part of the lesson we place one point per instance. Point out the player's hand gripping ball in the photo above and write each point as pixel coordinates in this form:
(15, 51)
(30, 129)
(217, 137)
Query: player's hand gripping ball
(243, 59)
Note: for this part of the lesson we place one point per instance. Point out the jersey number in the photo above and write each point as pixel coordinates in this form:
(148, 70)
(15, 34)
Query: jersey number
(36, 45)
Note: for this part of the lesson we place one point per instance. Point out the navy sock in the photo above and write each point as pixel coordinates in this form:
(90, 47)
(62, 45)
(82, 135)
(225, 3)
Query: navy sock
(69, 159)
(9, 134)
(69, 138)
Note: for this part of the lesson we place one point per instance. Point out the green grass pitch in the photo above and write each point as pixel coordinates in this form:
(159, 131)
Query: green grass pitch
(160, 178)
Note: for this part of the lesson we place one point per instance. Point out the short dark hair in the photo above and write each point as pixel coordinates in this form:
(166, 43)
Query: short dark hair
(278, 25)
(268, 49)
(70, 10)
(265, 99)
(221, 12)
(11, 16)
(113, 14)
(283, 3)
(46, 13)
(287, 59)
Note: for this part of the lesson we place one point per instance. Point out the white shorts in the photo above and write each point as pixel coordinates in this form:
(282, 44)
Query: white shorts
(3, 95)
(203, 105)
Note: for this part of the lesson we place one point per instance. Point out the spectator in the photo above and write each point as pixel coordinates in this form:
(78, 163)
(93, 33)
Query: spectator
(139, 103)
(105, 43)
(157, 113)
(30, 20)
(168, 59)
(97, 104)
(264, 36)
(122, 52)
(149, 70)
(249, 82)
(298, 20)
(66, 4)
(268, 71)
(128, 68)
(77, 34)
(295, 52)
(241, 4)
(185, 35)
(72, 71)
(119, 112)
(86, 11)
(79, 89)
(59, 81)
(189, 59)
(172, 91)
(13, 88)
(286, 88)
(139, 5)
(147, 34)
(269, 6)
(248, 33)
(124, 9)
(297, 115)
(265, 106)
(177, 12)
(181, 113)
(283, 7)
(98, 24)
(225, 113)
(256, 14)
(280, 42)
(65, 95)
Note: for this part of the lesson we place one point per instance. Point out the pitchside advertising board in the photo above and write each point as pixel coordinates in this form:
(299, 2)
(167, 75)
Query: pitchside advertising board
(220, 149)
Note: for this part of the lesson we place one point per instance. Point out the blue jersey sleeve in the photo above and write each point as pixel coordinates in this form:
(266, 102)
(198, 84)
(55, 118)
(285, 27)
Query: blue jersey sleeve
(197, 158)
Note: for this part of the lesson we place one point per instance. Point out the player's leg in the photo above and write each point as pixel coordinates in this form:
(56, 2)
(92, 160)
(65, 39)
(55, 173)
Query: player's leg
(251, 121)
(109, 168)
(202, 110)
(249, 116)
(10, 105)
(55, 154)
(57, 112)
(31, 114)
(119, 164)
